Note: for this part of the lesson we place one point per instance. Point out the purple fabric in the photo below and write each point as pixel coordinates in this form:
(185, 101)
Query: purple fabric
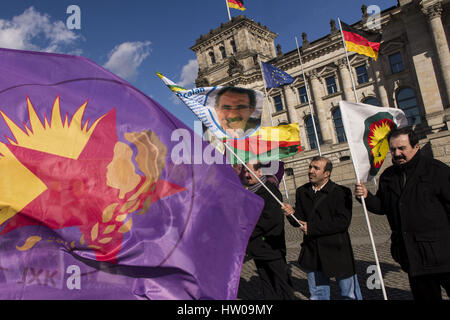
(189, 244)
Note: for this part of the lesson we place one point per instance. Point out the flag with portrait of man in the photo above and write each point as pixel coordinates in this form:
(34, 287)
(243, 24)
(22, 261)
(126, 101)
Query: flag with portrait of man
(232, 115)
(225, 111)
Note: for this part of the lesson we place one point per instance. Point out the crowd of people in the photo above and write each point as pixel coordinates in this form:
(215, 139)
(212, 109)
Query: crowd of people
(413, 193)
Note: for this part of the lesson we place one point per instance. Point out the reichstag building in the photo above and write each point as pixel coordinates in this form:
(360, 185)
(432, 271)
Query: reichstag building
(412, 73)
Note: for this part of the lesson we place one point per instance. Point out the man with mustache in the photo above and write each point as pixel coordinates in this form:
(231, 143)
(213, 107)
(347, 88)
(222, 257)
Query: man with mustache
(414, 194)
(324, 209)
(234, 106)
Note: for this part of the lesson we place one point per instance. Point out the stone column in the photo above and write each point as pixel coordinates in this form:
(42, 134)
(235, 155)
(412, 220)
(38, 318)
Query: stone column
(320, 110)
(291, 102)
(434, 13)
(380, 84)
(419, 43)
(346, 80)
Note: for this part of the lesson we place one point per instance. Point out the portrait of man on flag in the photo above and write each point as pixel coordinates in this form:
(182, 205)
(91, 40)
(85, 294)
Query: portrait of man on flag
(237, 111)
(226, 112)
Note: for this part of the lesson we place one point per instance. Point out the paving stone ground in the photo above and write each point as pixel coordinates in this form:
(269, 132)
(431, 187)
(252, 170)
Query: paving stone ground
(395, 280)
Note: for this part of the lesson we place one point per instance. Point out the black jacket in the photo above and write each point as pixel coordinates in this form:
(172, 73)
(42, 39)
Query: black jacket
(418, 214)
(327, 245)
(267, 241)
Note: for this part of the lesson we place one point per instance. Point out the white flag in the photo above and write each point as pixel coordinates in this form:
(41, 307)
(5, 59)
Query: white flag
(367, 128)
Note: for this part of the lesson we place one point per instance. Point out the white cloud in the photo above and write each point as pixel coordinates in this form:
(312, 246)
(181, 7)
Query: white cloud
(189, 74)
(33, 30)
(126, 58)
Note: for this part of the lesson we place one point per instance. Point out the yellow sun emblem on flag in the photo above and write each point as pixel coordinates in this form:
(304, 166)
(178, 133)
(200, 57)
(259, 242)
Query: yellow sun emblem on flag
(66, 174)
(19, 186)
(376, 139)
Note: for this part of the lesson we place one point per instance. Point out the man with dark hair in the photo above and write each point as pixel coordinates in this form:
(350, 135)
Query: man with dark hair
(414, 194)
(324, 209)
(234, 106)
(267, 244)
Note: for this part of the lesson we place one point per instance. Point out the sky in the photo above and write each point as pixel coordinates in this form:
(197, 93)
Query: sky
(137, 38)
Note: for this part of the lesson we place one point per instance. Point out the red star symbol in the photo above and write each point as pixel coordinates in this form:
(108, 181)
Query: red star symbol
(77, 192)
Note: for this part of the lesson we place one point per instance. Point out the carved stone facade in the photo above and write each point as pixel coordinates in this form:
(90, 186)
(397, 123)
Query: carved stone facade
(412, 73)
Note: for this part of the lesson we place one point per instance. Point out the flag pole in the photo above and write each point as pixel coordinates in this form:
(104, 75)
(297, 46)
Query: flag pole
(309, 100)
(228, 8)
(351, 74)
(356, 172)
(259, 180)
(372, 241)
(348, 62)
(271, 119)
(265, 89)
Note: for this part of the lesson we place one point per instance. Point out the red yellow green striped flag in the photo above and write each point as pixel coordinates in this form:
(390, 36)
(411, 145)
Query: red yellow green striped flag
(362, 42)
(236, 4)
(268, 143)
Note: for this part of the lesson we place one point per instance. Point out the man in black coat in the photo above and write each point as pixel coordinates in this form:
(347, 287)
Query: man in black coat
(325, 211)
(414, 194)
(267, 244)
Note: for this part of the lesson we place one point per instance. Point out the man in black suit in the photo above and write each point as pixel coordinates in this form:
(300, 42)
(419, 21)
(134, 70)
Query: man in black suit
(414, 194)
(324, 209)
(267, 244)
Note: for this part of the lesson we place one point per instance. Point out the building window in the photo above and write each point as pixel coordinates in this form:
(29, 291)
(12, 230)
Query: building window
(372, 101)
(338, 125)
(303, 94)
(396, 62)
(331, 84)
(361, 73)
(213, 58)
(310, 132)
(233, 46)
(406, 100)
(278, 102)
(222, 52)
(289, 172)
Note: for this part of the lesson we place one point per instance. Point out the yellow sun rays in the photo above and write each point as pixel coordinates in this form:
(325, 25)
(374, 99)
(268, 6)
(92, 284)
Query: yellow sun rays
(59, 138)
(18, 185)
(379, 143)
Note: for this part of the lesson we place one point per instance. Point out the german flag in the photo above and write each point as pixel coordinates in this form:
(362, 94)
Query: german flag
(362, 42)
(236, 4)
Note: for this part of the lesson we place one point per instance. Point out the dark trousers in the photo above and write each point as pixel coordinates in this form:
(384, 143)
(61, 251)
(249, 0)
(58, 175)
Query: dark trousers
(275, 278)
(428, 287)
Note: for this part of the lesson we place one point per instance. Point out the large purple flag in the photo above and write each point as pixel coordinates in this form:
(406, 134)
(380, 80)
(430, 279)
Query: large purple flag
(95, 202)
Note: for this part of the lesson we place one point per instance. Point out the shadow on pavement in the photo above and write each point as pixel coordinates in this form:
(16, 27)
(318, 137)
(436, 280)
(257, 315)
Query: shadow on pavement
(251, 289)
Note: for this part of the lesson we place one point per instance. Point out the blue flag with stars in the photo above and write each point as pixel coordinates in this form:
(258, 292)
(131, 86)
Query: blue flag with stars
(275, 77)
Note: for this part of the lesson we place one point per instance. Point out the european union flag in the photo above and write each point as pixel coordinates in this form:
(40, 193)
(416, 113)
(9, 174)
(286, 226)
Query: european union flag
(275, 77)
